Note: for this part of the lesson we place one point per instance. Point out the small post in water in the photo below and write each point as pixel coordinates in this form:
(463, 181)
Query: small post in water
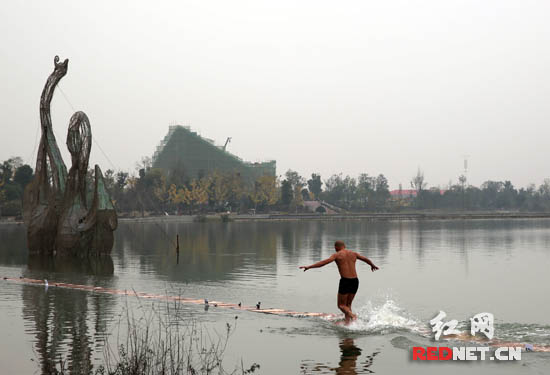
(177, 248)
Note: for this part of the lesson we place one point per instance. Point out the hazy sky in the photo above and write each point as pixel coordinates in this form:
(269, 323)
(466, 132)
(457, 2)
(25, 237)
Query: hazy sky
(329, 87)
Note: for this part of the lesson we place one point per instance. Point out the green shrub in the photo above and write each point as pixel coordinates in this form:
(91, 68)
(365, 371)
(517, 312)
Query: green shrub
(11, 208)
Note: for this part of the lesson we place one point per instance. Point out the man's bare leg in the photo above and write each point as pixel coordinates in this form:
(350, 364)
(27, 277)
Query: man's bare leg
(349, 300)
(342, 305)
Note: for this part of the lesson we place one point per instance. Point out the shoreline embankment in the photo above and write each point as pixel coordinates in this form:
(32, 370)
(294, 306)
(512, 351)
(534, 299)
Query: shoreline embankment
(393, 216)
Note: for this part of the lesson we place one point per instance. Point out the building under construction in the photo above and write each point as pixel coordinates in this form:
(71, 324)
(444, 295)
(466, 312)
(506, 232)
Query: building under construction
(185, 151)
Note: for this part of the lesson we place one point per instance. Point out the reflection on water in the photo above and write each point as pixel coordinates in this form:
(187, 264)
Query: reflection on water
(258, 261)
(67, 325)
(317, 236)
(99, 266)
(13, 244)
(349, 363)
(207, 251)
(348, 357)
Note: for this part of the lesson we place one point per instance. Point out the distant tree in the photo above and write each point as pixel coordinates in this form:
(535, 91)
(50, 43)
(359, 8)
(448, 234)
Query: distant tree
(141, 173)
(219, 189)
(203, 191)
(23, 175)
(528, 198)
(431, 198)
(265, 191)
(462, 181)
(544, 188)
(418, 184)
(507, 198)
(257, 195)
(2, 196)
(335, 190)
(179, 197)
(177, 175)
(236, 193)
(296, 182)
(286, 193)
(543, 201)
(16, 162)
(109, 178)
(8, 168)
(197, 194)
(151, 189)
(121, 180)
(118, 194)
(382, 192)
(11, 188)
(340, 191)
(298, 200)
(12, 191)
(305, 194)
(294, 178)
(314, 184)
(490, 191)
(160, 191)
(6, 172)
(366, 191)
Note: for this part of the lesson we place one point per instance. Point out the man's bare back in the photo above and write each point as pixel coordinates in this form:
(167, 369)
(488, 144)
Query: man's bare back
(345, 260)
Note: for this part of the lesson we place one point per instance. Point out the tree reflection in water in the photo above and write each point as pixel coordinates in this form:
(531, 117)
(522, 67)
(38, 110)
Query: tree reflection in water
(67, 324)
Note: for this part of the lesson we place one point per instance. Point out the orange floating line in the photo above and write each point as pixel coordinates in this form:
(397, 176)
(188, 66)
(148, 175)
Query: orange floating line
(99, 289)
(271, 311)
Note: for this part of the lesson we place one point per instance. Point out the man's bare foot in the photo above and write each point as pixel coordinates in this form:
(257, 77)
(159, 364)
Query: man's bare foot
(349, 318)
(348, 322)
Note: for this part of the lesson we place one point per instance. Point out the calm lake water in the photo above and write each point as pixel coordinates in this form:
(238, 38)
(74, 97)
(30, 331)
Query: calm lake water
(460, 267)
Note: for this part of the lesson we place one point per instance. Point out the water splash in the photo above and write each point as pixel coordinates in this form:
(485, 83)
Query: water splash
(384, 318)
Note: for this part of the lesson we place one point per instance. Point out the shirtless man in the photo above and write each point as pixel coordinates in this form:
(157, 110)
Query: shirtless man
(345, 260)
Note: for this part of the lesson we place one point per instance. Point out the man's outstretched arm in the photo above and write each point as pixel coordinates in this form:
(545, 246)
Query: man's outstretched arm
(368, 261)
(320, 263)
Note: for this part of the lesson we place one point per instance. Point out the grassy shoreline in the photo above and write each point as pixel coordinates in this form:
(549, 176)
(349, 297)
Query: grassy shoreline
(412, 215)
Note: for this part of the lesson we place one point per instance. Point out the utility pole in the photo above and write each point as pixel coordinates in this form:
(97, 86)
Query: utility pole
(463, 178)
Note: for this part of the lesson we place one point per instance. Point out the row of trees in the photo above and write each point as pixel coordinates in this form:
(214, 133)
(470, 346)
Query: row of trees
(152, 190)
(14, 176)
(491, 195)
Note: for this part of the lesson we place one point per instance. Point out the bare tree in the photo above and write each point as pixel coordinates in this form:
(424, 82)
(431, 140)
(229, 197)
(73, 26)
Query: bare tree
(418, 183)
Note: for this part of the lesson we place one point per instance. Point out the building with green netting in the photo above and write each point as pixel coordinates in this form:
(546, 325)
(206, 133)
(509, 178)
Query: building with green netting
(185, 151)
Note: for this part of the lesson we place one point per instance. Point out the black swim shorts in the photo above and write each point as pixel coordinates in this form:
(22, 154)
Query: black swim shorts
(348, 286)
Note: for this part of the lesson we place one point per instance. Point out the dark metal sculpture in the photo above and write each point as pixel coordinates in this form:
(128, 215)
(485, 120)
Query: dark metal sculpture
(64, 215)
